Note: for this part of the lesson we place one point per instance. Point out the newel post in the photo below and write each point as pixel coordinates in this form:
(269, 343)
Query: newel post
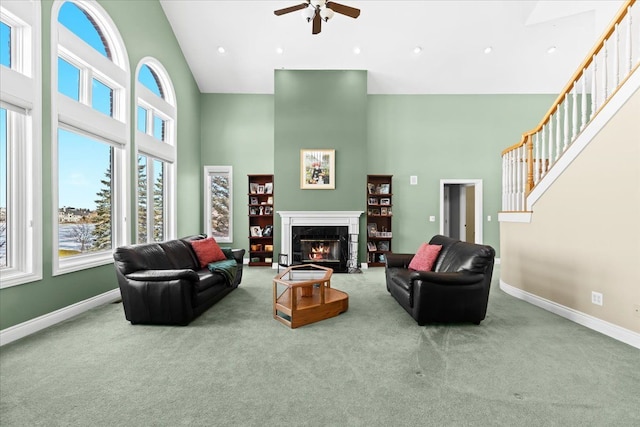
(529, 164)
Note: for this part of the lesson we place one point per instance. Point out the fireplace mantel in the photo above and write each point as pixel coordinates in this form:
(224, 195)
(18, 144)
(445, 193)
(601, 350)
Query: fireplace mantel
(290, 219)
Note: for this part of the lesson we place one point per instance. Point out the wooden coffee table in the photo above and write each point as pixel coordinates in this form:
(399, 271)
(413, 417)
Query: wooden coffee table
(302, 294)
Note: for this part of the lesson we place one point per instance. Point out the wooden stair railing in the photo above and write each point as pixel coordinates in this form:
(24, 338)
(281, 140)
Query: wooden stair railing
(597, 79)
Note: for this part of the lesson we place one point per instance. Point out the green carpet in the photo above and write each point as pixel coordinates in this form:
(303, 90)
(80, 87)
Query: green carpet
(371, 366)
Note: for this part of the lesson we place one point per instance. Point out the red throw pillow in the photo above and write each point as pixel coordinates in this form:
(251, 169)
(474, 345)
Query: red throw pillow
(425, 257)
(207, 251)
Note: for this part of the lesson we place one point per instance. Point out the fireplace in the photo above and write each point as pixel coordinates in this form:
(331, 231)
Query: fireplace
(322, 245)
(328, 238)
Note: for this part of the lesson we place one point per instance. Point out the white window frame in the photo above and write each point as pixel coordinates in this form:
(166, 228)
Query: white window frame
(21, 96)
(80, 117)
(208, 172)
(153, 149)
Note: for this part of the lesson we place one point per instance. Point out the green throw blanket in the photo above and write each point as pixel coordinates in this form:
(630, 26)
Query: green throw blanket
(228, 268)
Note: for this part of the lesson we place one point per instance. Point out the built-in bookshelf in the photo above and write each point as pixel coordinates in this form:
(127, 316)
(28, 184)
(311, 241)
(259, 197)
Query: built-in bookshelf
(260, 198)
(379, 216)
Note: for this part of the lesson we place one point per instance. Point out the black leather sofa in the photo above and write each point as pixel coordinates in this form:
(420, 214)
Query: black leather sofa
(163, 283)
(457, 290)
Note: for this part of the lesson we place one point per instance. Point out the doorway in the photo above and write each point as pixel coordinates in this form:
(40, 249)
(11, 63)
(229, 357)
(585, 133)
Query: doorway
(461, 209)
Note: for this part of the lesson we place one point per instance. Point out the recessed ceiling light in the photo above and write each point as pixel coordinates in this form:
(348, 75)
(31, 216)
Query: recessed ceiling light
(417, 50)
(279, 50)
(552, 49)
(221, 49)
(356, 50)
(488, 49)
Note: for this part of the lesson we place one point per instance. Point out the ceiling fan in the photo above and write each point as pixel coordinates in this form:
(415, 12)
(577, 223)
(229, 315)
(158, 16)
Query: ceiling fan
(320, 10)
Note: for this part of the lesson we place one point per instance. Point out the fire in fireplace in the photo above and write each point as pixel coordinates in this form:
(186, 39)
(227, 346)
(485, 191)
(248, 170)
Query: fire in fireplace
(323, 245)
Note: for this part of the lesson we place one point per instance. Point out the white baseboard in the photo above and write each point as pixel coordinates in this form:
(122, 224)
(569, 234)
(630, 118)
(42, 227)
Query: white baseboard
(29, 327)
(616, 332)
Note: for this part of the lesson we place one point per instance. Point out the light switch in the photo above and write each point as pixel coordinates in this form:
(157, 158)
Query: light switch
(488, 218)
(413, 180)
(432, 218)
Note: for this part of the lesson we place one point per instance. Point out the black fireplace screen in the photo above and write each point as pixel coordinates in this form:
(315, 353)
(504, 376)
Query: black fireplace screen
(323, 245)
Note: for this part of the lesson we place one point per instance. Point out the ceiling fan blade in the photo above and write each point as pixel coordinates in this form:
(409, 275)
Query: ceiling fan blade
(291, 9)
(317, 22)
(345, 10)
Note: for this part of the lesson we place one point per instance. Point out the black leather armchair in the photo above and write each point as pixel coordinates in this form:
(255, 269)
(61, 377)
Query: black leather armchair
(457, 290)
(163, 283)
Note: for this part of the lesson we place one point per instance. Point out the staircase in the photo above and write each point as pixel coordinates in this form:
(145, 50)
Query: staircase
(609, 66)
(570, 228)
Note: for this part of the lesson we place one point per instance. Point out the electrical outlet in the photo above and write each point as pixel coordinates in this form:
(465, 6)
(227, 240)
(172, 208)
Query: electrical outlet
(636, 310)
(596, 298)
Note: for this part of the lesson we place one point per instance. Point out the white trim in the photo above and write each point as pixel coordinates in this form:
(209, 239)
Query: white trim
(115, 130)
(164, 151)
(599, 121)
(477, 208)
(524, 217)
(290, 219)
(27, 156)
(217, 170)
(614, 331)
(32, 326)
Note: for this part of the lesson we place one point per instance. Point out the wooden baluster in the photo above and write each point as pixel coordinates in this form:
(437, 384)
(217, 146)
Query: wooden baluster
(574, 116)
(507, 181)
(583, 122)
(516, 199)
(551, 138)
(510, 186)
(529, 154)
(629, 55)
(522, 176)
(616, 58)
(514, 171)
(510, 176)
(566, 122)
(605, 56)
(536, 176)
(504, 176)
(594, 88)
(558, 139)
(543, 155)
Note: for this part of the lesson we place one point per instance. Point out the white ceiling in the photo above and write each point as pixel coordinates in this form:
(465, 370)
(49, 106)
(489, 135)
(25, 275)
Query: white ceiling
(453, 36)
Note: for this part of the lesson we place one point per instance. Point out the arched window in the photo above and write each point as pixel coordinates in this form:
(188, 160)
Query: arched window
(156, 152)
(20, 143)
(91, 134)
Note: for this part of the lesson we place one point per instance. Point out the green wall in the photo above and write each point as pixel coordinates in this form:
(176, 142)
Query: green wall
(432, 136)
(237, 130)
(325, 110)
(155, 38)
(444, 137)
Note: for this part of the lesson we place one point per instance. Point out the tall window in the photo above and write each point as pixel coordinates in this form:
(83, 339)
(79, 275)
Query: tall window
(156, 145)
(218, 202)
(91, 136)
(20, 144)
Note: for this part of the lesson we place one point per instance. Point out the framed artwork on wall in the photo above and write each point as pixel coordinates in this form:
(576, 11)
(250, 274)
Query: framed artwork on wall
(317, 169)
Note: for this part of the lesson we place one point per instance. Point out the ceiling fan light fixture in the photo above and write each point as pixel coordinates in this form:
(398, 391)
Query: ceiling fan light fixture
(326, 13)
(317, 11)
(309, 13)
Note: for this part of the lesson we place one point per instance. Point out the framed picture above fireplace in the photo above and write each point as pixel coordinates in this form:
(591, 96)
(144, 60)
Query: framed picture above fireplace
(317, 169)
